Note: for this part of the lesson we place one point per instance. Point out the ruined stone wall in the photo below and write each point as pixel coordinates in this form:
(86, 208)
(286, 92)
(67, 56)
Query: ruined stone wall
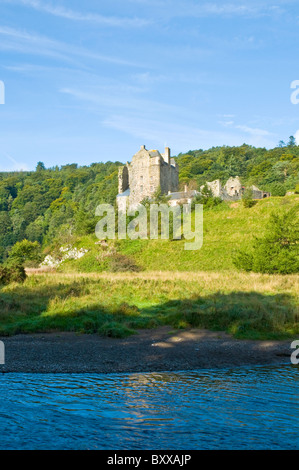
(233, 190)
(233, 187)
(258, 194)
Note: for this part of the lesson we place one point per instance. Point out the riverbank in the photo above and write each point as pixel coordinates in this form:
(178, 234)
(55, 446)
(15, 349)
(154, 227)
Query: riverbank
(157, 350)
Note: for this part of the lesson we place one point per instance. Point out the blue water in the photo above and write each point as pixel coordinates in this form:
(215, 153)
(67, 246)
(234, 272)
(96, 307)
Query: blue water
(242, 408)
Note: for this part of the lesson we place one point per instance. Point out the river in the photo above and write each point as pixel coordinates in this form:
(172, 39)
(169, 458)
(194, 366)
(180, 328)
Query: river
(240, 408)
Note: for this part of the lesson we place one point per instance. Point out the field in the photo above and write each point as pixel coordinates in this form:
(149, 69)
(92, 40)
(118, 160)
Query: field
(250, 306)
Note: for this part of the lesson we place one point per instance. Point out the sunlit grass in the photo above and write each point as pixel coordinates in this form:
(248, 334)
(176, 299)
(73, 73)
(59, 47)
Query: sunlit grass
(227, 228)
(245, 305)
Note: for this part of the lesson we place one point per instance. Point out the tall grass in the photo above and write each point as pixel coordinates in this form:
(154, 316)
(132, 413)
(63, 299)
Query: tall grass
(245, 305)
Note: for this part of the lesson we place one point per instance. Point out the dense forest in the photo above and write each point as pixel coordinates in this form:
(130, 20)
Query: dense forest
(48, 204)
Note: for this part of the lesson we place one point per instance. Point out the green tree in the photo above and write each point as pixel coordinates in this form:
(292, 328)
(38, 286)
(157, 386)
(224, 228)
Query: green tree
(25, 252)
(40, 166)
(277, 252)
(278, 189)
(35, 230)
(292, 141)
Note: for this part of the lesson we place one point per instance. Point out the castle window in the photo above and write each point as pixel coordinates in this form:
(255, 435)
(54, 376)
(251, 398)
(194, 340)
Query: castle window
(152, 178)
(152, 188)
(141, 188)
(141, 178)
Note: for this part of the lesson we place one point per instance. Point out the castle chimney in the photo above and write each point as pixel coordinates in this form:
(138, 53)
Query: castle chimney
(142, 147)
(167, 155)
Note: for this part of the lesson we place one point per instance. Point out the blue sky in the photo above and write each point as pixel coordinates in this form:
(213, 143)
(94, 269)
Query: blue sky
(93, 81)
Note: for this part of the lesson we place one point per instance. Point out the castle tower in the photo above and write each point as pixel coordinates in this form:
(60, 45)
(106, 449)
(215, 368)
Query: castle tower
(148, 171)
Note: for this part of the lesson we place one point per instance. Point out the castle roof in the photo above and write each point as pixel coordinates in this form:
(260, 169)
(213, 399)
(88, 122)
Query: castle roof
(182, 194)
(154, 153)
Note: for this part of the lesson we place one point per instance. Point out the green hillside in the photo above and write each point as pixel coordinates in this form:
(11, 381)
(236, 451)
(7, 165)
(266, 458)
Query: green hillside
(227, 228)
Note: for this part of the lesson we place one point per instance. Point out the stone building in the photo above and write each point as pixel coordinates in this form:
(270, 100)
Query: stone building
(148, 171)
(233, 190)
(233, 187)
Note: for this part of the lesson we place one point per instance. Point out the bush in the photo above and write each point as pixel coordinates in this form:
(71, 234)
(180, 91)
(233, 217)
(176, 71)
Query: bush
(243, 260)
(247, 199)
(206, 198)
(122, 263)
(10, 274)
(249, 203)
(278, 189)
(25, 252)
(277, 252)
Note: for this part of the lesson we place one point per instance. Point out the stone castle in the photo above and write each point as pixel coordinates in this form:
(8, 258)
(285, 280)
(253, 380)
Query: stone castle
(151, 170)
(148, 171)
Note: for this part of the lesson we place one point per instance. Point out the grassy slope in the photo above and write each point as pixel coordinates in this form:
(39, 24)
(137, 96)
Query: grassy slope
(246, 305)
(227, 227)
(187, 294)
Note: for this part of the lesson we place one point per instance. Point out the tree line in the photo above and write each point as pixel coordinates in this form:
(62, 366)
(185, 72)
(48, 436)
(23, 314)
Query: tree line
(49, 205)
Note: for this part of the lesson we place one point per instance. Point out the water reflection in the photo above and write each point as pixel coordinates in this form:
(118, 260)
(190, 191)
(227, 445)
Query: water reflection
(242, 408)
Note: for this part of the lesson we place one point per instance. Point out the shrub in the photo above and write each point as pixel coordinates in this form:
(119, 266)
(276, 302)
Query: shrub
(278, 189)
(249, 203)
(122, 263)
(247, 199)
(10, 274)
(206, 198)
(25, 252)
(243, 260)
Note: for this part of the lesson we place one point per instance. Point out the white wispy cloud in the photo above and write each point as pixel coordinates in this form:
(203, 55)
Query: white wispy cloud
(182, 136)
(191, 8)
(69, 14)
(155, 130)
(120, 96)
(226, 123)
(8, 163)
(32, 43)
(253, 130)
(124, 109)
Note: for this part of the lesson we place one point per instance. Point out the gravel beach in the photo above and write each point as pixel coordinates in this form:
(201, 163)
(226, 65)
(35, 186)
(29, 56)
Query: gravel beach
(156, 350)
